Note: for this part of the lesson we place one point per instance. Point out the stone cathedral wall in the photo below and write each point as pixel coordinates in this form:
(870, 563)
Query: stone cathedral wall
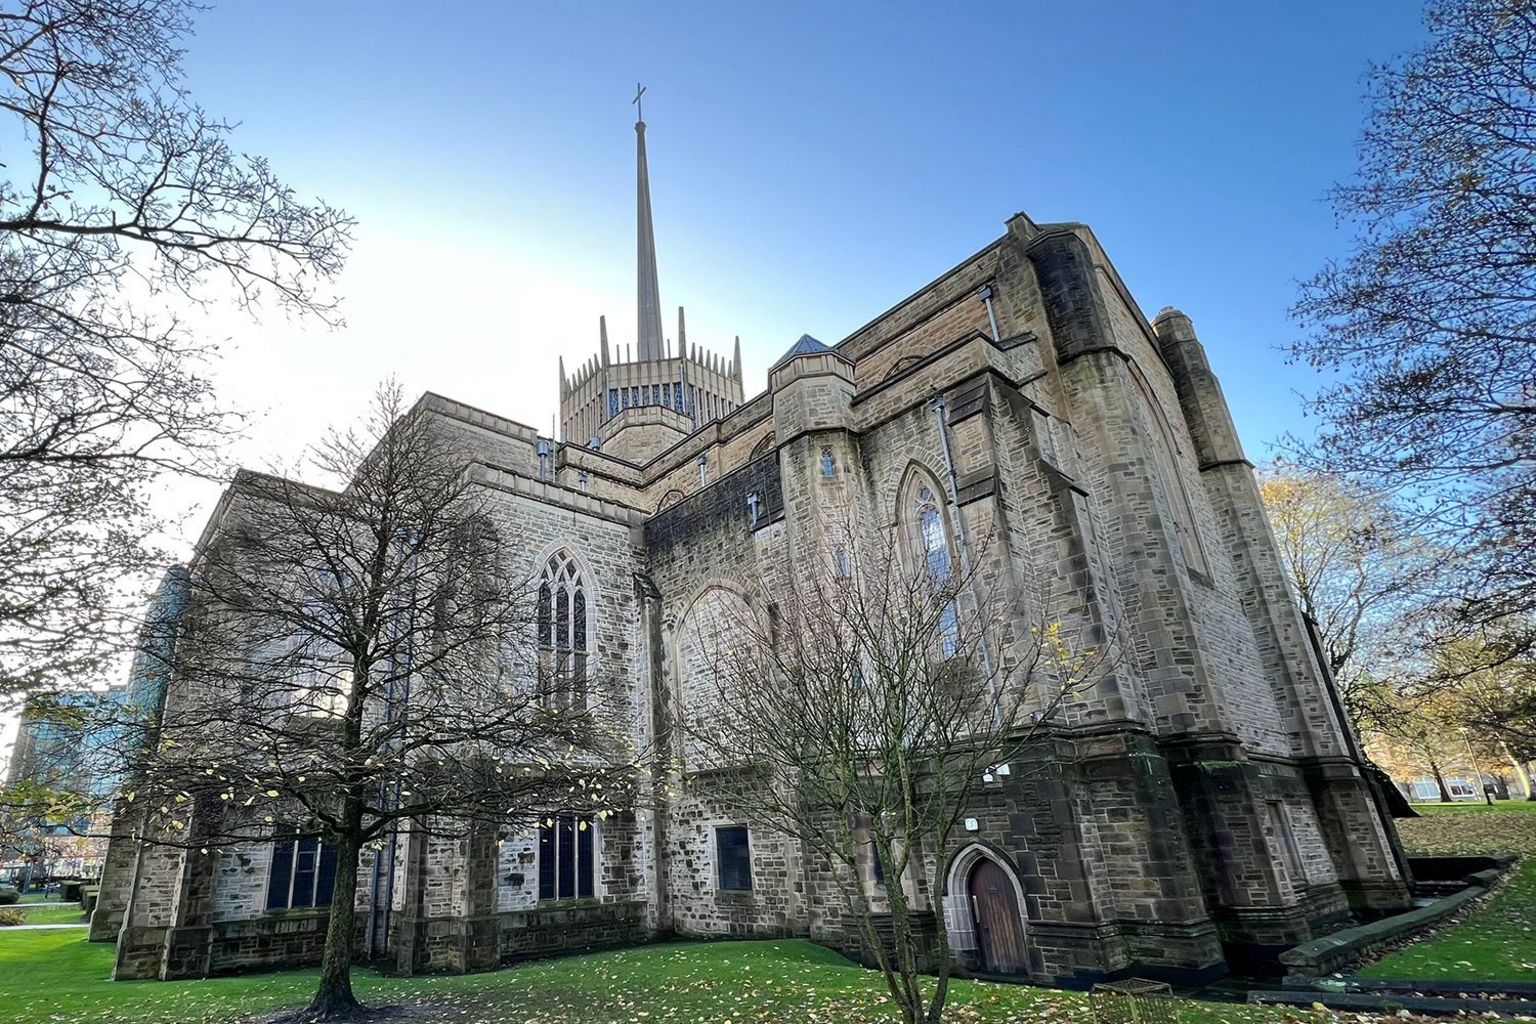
(1240, 699)
(1188, 806)
(699, 550)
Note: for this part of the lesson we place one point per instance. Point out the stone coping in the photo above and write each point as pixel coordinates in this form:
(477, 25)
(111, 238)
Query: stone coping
(1425, 986)
(1312, 960)
(1362, 1002)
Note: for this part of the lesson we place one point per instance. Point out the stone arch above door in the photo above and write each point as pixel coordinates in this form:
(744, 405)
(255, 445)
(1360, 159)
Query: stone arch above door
(984, 911)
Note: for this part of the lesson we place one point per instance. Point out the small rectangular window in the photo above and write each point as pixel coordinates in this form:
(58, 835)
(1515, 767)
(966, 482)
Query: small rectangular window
(306, 864)
(734, 856)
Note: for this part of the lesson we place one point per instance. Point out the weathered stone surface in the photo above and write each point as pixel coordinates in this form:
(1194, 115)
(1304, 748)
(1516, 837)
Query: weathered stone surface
(1200, 803)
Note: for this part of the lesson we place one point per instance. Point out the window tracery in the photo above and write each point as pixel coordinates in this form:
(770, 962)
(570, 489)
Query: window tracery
(925, 511)
(562, 633)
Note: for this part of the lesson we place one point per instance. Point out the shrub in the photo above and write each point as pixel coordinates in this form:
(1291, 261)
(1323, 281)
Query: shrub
(8, 896)
(12, 916)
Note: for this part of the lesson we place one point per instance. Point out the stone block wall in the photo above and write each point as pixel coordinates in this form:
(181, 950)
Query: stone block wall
(699, 906)
(1197, 800)
(543, 931)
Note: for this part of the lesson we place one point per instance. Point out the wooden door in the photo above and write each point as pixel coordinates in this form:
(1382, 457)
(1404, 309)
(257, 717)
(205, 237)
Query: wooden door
(999, 929)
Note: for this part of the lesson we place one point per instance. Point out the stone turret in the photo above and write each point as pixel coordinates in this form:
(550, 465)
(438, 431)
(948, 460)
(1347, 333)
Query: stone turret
(1205, 407)
(812, 387)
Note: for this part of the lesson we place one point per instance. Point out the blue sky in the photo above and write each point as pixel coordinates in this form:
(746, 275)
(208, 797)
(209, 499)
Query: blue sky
(811, 164)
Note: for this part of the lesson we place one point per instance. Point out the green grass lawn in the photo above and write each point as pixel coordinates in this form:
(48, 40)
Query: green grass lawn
(57, 977)
(48, 910)
(53, 913)
(1509, 826)
(1499, 939)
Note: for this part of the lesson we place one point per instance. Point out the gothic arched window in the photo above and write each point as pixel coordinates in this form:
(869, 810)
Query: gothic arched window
(924, 511)
(562, 632)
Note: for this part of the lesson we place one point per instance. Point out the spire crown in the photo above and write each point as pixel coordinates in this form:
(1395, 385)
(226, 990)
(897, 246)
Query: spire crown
(648, 289)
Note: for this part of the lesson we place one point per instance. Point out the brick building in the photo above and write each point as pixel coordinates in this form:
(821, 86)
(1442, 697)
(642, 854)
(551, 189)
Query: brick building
(1200, 805)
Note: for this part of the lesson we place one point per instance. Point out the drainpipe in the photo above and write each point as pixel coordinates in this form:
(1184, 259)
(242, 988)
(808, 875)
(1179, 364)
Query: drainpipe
(936, 403)
(986, 298)
(381, 902)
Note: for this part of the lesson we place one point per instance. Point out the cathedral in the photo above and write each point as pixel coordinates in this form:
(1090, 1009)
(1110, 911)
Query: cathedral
(1204, 804)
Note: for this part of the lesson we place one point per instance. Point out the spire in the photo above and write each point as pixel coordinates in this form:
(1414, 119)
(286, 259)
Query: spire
(563, 386)
(649, 298)
(682, 328)
(736, 361)
(602, 333)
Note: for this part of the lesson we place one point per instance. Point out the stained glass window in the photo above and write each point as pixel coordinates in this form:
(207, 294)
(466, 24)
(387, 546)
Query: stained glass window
(932, 541)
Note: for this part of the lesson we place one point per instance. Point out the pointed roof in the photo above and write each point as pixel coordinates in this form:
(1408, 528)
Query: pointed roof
(649, 290)
(806, 346)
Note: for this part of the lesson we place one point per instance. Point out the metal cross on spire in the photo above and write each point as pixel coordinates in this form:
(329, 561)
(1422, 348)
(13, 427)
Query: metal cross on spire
(639, 107)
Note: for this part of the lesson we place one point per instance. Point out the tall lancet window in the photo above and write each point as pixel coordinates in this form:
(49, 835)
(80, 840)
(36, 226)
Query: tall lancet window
(562, 629)
(923, 510)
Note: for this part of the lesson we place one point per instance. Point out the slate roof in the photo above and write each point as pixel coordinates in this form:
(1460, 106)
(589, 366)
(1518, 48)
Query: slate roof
(806, 346)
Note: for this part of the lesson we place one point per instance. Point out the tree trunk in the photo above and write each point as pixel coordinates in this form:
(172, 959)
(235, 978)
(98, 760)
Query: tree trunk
(1521, 774)
(903, 940)
(334, 998)
(1445, 791)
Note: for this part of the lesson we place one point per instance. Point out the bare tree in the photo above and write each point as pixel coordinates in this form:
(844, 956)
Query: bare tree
(856, 704)
(119, 197)
(1427, 327)
(1362, 575)
(362, 660)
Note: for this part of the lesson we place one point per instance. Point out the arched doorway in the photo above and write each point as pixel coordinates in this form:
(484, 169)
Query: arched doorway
(999, 927)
